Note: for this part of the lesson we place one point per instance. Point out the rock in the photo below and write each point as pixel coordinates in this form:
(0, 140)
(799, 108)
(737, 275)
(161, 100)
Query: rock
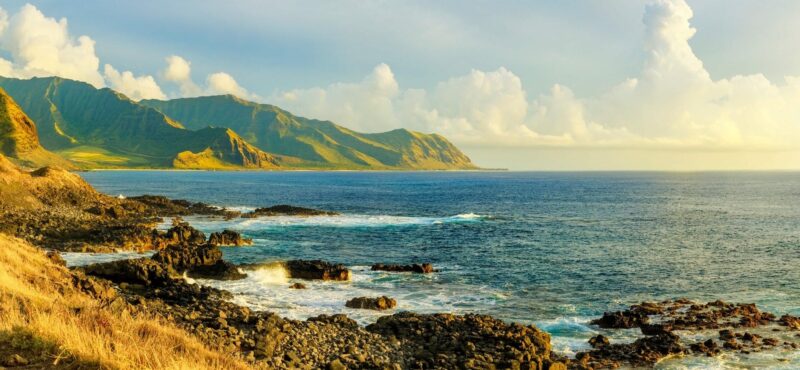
(338, 319)
(201, 261)
(182, 257)
(379, 303)
(470, 341)
(316, 270)
(182, 233)
(621, 320)
(221, 270)
(287, 210)
(297, 286)
(424, 268)
(709, 348)
(793, 322)
(598, 341)
(644, 352)
(228, 238)
(733, 344)
(655, 329)
(142, 271)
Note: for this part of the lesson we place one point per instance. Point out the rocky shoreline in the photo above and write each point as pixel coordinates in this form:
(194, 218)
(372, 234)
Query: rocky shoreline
(56, 210)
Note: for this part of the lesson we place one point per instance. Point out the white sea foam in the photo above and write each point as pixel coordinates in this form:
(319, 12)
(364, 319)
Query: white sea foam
(266, 289)
(82, 259)
(346, 220)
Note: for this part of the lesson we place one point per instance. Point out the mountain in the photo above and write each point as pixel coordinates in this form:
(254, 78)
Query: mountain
(319, 143)
(19, 139)
(103, 128)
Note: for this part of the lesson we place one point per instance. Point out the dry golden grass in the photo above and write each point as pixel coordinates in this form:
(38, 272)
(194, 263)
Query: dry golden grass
(37, 302)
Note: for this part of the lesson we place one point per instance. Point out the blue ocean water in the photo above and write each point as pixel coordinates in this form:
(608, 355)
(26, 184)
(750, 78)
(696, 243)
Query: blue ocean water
(553, 249)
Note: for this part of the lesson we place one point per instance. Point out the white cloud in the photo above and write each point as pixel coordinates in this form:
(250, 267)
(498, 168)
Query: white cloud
(179, 72)
(223, 83)
(136, 88)
(673, 102)
(42, 46)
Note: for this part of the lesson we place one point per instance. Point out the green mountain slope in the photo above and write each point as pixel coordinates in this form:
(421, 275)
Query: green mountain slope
(103, 128)
(320, 143)
(19, 139)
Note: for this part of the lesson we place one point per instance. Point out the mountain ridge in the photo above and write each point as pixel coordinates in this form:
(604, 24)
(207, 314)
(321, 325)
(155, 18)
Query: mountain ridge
(102, 128)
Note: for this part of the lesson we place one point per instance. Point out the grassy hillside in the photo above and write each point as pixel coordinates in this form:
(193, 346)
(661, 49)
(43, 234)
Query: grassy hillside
(322, 143)
(51, 324)
(19, 139)
(102, 128)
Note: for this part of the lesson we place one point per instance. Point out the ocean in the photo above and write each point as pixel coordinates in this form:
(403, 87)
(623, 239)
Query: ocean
(552, 249)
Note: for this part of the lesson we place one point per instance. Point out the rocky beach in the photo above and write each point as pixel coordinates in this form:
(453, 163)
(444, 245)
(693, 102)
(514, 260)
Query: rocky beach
(55, 211)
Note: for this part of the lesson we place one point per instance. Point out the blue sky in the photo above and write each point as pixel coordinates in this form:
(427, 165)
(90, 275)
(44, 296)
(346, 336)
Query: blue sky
(538, 81)
(588, 45)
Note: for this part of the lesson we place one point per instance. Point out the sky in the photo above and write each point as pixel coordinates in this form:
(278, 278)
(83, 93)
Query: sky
(524, 85)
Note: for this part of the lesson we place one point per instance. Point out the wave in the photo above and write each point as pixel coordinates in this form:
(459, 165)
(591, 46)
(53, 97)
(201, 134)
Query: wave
(346, 220)
(82, 258)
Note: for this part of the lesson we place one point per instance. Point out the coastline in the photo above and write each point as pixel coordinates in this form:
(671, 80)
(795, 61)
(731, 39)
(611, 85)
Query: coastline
(154, 287)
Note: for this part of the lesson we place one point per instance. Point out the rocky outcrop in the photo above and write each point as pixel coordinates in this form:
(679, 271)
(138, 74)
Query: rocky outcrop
(287, 210)
(643, 352)
(660, 321)
(228, 238)
(142, 271)
(165, 207)
(469, 341)
(424, 268)
(316, 270)
(368, 303)
(182, 233)
(201, 261)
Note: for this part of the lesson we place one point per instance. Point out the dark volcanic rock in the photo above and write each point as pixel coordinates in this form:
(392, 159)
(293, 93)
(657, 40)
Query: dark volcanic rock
(316, 270)
(471, 341)
(203, 261)
(142, 271)
(379, 303)
(424, 268)
(182, 233)
(790, 321)
(163, 206)
(598, 341)
(287, 210)
(297, 286)
(228, 238)
(643, 352)
(621, 320)
(338, 319)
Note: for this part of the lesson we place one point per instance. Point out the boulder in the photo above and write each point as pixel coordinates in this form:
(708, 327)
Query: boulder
(621, 320)
(297, 286)
(379, 303)
(142, 271)
(201, 261)
(182, 233)
(316, 270)
(183, 257)
(424, 268)
(228, 238)
(598, 341)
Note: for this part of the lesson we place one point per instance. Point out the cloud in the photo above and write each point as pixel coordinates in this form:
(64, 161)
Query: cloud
(672, 103)
(179, 72)
(42, 46)
(223, 83)
(136, 88)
